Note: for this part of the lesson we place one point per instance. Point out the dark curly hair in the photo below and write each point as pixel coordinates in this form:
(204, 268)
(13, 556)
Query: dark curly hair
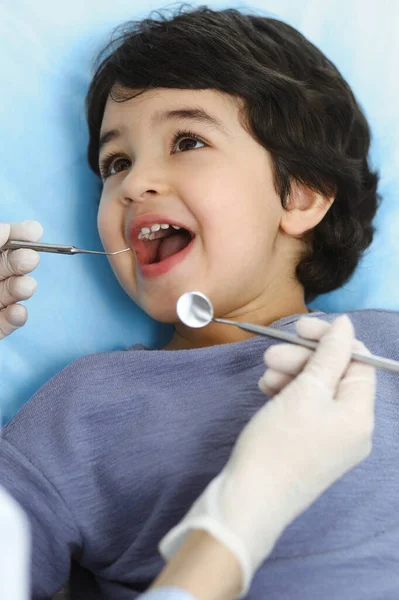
(297, 106)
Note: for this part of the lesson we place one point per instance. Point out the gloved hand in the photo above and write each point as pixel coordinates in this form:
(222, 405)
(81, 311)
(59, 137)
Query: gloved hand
(300, 442)
(14, 284)
(15, 549)
(286, 361)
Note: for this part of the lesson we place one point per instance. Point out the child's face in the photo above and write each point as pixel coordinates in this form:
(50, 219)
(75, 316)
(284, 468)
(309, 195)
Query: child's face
(220, 188)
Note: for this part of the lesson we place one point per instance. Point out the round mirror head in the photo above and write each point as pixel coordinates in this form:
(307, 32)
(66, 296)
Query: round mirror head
(194, 309)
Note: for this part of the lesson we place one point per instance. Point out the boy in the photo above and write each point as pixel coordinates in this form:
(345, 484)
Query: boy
(271, 209)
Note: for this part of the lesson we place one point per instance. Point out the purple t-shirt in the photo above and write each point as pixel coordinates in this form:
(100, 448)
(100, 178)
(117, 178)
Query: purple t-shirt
(110, 454)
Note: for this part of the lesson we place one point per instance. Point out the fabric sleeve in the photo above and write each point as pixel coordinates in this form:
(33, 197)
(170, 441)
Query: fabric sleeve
(55, 536)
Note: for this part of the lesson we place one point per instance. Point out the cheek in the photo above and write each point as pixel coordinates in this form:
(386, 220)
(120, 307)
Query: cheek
(101, 223)
(240, 232)
(109, 220)
(104, 228)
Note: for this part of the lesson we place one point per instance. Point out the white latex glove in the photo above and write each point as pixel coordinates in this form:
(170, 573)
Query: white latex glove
(316, 429)
(15, 549)
(14, 284)
(286, 361)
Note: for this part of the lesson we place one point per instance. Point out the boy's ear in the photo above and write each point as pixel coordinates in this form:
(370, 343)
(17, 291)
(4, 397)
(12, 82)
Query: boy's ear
(305, 208)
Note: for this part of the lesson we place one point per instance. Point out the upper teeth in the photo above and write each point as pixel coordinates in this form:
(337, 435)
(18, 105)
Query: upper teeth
(147, 232)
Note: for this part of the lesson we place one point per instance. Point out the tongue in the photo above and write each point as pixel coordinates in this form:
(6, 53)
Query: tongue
(171, 245)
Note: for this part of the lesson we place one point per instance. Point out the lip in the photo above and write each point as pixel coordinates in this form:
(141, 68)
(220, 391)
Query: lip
(157, 269)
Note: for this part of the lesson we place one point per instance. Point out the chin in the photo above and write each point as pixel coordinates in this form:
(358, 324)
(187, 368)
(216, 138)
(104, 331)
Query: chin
(159, 307)
(162, 314)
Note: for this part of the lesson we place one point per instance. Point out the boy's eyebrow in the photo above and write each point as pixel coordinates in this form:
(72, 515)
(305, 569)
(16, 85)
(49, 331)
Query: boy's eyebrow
(159, 117)
(189, 113)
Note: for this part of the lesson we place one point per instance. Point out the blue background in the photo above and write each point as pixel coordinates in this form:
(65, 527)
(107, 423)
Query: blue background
(46, 59)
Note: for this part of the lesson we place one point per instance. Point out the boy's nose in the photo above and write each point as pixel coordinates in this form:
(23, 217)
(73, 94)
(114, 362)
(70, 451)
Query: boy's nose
(144, 181)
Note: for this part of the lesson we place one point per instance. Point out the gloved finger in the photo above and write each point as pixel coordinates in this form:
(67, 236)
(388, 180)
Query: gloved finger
(287, 358)
(14, 289)
(290, 358)
(12, 318)
(5, 229)
(286, 361)
(18, 262)
(273, 382)
(311, 328)
(29, 231)
(23, 260)
(358, 386)
(332, 355)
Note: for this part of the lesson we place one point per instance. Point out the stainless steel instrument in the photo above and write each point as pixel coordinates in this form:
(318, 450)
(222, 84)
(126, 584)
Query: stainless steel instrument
(55, 248)
(195, 309)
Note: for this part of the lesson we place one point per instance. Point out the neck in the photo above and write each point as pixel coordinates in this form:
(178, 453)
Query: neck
(186, 338)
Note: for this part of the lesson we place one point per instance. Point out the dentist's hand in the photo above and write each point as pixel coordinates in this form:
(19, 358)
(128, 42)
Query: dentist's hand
(318, 425)
(15, 285)
(285, 361)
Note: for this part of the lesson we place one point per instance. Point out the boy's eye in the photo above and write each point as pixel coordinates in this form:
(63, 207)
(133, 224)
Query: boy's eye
(185, 135)
(113, 164)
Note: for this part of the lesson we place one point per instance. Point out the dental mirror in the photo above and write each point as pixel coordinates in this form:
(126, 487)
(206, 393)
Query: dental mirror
(194, 309)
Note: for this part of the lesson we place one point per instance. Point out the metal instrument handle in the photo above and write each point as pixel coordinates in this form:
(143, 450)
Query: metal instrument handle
(39, 247)
(386, 364)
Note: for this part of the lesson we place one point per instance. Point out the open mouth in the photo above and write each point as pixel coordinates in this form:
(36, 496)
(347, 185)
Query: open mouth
(160, 242)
